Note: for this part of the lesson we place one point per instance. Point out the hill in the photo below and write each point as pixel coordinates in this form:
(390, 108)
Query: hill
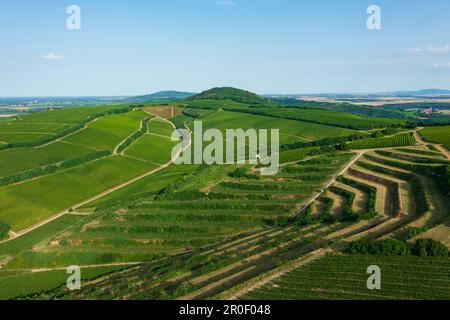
(228, 93)
(162, 96)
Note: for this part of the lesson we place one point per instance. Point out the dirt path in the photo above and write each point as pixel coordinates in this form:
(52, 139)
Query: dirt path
(119, 264)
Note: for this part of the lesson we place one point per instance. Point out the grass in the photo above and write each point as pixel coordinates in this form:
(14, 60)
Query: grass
(344, 277)
(439, 135)
(26, 204)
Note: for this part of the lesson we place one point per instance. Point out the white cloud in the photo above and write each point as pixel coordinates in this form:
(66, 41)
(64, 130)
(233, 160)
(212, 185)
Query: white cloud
(51, 56)
(442, 65)
(431, 50)
(223, 2)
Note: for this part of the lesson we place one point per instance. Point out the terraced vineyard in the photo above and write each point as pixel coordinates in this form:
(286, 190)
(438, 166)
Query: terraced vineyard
(401, 140)
(191, 215)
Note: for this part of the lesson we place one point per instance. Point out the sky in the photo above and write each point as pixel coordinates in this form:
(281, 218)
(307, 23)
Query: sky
(137, 47)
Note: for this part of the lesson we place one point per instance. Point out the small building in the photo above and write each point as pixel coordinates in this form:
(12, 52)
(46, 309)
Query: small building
(426, 111)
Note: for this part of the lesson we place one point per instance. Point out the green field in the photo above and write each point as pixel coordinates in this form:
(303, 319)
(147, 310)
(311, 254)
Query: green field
(154, 149)
(326, 117)
(344, 277)
(17, 160)
(107, 132)
(150, 185)
(22, 284)
(439, 135)
(160, 127)
(290, 130)
(31, 127)
(26, 204)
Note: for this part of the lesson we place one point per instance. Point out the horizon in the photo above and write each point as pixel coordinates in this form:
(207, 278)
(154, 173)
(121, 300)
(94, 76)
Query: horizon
(260, 94)
(131, 49)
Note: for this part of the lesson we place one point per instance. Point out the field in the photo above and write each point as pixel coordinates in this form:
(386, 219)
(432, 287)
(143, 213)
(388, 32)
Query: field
(439, 135)
(23, 205)
(107, 132)
(290, 130)
(33, 126)
(344, 277)
(17, 160)
(326, 117)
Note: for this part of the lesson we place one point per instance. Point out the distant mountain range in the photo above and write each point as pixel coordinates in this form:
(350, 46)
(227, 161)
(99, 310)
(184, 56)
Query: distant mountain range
(418, 93)
(162, 96)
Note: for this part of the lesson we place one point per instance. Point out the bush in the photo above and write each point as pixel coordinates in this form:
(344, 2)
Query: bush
(429, 248)
(4, 230)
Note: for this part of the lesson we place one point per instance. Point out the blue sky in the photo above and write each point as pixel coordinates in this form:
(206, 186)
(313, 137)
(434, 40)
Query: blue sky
(266, 46)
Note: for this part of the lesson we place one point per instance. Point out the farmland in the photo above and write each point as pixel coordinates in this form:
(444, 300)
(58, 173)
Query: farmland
(344, 277)
(99, 191)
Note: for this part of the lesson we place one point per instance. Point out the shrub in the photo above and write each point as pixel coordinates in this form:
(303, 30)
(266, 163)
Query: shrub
(429, 248)
(387, 247)
(4, 230)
